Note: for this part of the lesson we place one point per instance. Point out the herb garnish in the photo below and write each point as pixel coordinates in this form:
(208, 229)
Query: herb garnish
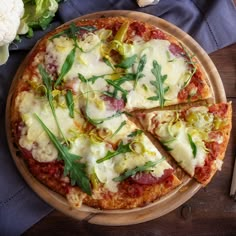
(165, 144)
(117, 88)
(75, 29)
(193, 145)
(73, 168)
(108, 62)
(93, 78)
(66, 66)
(70, 103)
(145, 167)
(123, 123)
(167, 148)
(140, 68)
(116, 84)
(158, 84)
(71, 33)
(100, 120)
(48, 84)
(122, 148)
(135, 133)
(127, 62)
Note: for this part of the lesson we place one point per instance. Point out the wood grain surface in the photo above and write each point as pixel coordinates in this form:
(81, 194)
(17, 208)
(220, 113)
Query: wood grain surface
(210, 212)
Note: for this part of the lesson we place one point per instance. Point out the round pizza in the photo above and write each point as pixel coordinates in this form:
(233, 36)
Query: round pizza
(91, 98)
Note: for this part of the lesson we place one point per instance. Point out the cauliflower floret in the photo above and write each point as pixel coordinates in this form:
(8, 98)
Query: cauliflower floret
(10, 13)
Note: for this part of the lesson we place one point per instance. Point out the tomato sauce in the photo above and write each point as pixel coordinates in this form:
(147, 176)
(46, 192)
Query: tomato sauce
(135, 186)
(50, 174)
(220, 110)
(204, 172)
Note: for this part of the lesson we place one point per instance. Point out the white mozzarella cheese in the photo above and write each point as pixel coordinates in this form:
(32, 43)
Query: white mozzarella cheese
(131, 160)
(90, 153)
(175, 137)
(87, 62)
(29, 105)
(175, 68)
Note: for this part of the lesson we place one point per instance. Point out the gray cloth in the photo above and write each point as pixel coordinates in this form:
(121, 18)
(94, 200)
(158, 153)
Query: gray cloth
(211, 22)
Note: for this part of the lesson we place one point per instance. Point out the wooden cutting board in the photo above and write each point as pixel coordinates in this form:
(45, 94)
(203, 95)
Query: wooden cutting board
(159, 207)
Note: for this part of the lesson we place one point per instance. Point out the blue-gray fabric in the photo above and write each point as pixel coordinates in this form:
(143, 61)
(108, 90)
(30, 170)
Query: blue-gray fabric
(210, 22)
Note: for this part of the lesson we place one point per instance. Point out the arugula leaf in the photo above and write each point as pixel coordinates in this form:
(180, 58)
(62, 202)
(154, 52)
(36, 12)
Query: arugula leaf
(75, 29)
(156, 98)
(158, 83)
(76, 170)
(92, 78)
(127, 62)
(126, 77)
(193, 145)
(70, 103)
(66, 66)
(135, 133)
(122, 148)
(145, 167)
(108, 62)
(48, 84)
(123, 123)
(165, 144)
(140, 68)
(101, 120)
(82, 78)
(166, 147)
(117, 88)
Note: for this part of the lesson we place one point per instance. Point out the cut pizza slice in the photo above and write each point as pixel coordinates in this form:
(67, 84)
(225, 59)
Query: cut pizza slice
(129, 166)
(128, 173)
(166, 73)
(196, 137)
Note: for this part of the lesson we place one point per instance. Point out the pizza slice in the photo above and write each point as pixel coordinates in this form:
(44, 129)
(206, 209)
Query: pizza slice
(196, 136)
(127, 174)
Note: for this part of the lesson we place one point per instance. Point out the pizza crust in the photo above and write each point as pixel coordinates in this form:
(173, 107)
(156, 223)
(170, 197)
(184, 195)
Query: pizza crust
(102, 199)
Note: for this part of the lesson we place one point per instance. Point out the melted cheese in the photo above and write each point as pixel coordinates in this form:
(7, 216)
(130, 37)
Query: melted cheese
(175, 68)
(87, 62)
(175, 137)
(29, 105)
(90, 63)
(130, 160)
(90, 153)
(107, 170)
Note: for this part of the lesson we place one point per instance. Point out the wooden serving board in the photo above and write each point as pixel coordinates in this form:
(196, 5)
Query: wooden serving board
(159, 207)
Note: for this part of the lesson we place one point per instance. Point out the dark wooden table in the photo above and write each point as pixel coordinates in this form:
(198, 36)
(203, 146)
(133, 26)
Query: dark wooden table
(209, 212)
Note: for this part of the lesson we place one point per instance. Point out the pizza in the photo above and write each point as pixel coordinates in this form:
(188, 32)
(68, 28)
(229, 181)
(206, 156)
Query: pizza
(195, 136)
(75, 114)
